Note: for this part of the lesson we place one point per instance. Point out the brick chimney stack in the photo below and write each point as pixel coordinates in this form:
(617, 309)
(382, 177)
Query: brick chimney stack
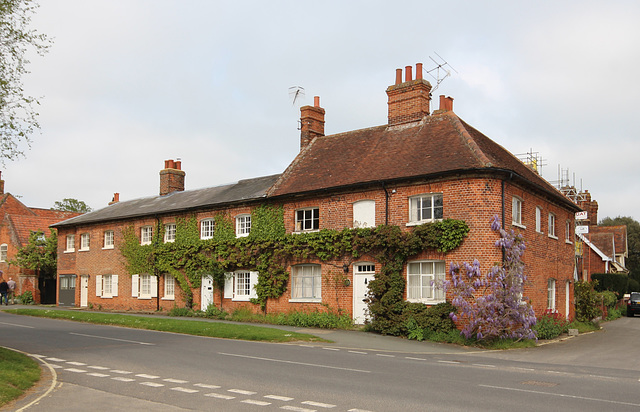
(409, 100)
(311, 122)
(591, 206)
(171, 177)
(116, 199)
(1, 184)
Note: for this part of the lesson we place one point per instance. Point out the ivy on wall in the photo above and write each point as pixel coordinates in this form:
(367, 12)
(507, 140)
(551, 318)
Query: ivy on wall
(269, 250)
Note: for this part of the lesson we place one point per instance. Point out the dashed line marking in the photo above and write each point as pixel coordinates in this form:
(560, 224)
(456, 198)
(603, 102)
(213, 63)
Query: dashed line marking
(358, 410)
(185, 390)
(449, 362)
(358, 352)
(258, 403)
(145, 376)
(55, 360)
(410, 358)
(76, 370)
(318, 404)
(120, 372)
(241, 391)
(100, 368)
(219, 396)
(98, 375)
(333, 349)
(483, 365)
(77, 363)
(122, 379)
(206, 386)
(279, 398)
(175, 380)
(296, 409)
(56, 366)
(152, 384)
(384, 355)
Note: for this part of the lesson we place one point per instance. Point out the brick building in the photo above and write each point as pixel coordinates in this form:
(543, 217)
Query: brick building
(18, 222)
(421, 166)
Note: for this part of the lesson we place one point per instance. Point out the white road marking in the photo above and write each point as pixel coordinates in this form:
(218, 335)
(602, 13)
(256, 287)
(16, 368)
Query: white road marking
(279, 398)
(385, 355)
(56, 366)
(448, 361)
(296, 409)
(55, 360)
(318, 404)
(174, 380)
(561, 395)
(483, 365)
(15, 324)
(333, 349)
(294, 363)
(77, 363)
(121, 379)
(358, 410)
(206, 386)
(410, 358)
(219, 396)
(358, 352)
(75, 370)
(98, 375)
(241, 391)
(100, 368)
(107, 338)
(152, 384)
(145, 376)
(121, 372)
(185, 390)
(258, 403)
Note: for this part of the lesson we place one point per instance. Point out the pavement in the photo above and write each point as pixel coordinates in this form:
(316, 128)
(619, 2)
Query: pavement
(49, 388)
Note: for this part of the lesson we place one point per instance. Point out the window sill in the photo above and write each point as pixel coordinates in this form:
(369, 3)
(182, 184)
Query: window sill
(83, 250)
(568, 242)
(108, 248)
(553, 237)
(521, 226)
(305, 300)
(305, 231)
(426, 301)
(168, 298)
(421, 222)
(169, 240)
(144, 297)
(242, 235)
(106, 297)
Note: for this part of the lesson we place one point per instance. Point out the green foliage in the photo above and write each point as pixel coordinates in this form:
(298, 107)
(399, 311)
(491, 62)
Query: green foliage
(18, 119)
(189, 258)
(632, 262)
(614, 282)
(26, 298)
(550, 325)
(40, 253)
(18, 372)
(633, 286)
(72, 205)
(587, 302)
(609, 299)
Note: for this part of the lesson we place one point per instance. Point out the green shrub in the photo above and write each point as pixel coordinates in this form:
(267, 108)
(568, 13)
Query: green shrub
(423, 321)
(633, 286)
(212, 312)
(550, 325)
(587, 302)
(26, 298)
(608, 298)
(182, 312)
(611, 281)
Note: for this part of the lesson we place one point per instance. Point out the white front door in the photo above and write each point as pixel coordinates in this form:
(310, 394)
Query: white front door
(84, 290)
(206, 292)
(362, 275)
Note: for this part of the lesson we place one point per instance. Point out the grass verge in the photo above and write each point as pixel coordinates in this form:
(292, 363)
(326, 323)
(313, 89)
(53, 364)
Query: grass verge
(189, 327)
(18, 372)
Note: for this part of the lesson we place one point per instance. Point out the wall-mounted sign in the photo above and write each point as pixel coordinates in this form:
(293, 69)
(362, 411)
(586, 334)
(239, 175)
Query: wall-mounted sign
(581, 215)
(582, 230)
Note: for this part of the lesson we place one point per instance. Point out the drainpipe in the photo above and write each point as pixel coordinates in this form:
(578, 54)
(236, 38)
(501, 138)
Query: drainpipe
(386, 204)
(155, 271)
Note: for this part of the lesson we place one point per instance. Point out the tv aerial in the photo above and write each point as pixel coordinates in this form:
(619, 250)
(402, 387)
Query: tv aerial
(442, 70)
(296, 93)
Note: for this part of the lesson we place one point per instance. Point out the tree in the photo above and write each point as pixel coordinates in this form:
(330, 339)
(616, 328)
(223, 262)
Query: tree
(18, 119)
(491, 306)
(633, 242)
(72, 205)
(39, 254)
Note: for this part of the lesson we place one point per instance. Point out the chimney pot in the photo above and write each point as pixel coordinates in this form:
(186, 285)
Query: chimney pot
(408, 73)
(316, 101)
(171, 178)
(398, 76)
(418, 71)
(178, 164)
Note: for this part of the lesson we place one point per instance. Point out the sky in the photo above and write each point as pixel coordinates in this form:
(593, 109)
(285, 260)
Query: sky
(128, 84)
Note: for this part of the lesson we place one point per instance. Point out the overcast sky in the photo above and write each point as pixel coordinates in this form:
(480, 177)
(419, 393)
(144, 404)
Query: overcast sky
(128, 84)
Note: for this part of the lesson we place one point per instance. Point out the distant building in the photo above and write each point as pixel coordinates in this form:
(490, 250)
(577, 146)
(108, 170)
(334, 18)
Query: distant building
(18, 222)
(421, 166)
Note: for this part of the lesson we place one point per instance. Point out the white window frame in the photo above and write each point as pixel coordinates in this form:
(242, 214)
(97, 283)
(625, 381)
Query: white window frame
(106, 286)
(240, 285)
(71, 244)
(551, 295)
(364, 213)
(4, 249)
(146, 235)
(539, 219)
(423, 279)
(169, 233)
(169, 287)
(243, 225)
(552, 226)
(418, 208)
(567, 232)
(109, 239)
(306, 283)
(144, 286)
(207, 228)
(307, 219)
(85, 241)
(516, 211)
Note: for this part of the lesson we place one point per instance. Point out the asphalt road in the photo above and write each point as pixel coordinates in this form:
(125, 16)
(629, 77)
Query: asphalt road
(118, 369)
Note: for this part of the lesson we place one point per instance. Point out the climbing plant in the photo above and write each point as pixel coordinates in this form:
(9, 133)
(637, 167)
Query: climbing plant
(269, 251)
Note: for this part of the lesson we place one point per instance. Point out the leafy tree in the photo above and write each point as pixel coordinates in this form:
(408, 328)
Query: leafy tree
(633, 242)
(72, 205)
(39, 254)
(491, 306)
(18, 119)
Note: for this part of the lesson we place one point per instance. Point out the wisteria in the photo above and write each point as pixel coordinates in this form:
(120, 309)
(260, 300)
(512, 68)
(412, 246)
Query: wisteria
(492, 306)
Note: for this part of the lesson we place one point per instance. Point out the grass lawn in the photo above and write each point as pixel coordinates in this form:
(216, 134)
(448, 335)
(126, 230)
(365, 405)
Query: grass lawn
(18, 372)
(189, 327)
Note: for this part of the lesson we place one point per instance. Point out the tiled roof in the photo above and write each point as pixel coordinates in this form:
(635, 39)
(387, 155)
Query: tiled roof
(244, 190)
(439, 144)
(603, 241)
(618, 233)
(23, 225)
